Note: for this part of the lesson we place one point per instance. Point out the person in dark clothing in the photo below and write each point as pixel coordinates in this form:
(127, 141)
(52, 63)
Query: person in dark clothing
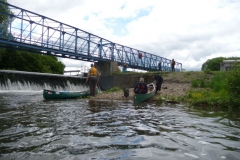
(159, 81)
(141, 87)
(160, 66)
(173, 65)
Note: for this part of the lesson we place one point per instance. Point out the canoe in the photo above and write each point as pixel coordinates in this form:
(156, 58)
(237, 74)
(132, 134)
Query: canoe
(51, 94)
(137, 98)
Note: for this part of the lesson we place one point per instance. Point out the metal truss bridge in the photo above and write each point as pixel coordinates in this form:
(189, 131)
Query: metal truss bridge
(29, 31)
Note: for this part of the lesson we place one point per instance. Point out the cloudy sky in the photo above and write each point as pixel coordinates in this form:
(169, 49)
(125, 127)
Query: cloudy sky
(190, 31)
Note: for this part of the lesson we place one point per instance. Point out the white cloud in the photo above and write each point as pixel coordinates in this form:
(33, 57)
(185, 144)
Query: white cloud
(188, 31)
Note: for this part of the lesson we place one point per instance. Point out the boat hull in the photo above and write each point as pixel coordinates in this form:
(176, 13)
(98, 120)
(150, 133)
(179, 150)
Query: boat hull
(138, 98)
(50, 94)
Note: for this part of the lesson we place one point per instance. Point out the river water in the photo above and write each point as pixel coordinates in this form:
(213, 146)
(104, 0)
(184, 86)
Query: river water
(82, 129)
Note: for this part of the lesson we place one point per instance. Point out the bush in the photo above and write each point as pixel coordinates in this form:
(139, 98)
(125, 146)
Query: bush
(233, 81)
(194, 83)
(219, 82)
(202, 83)
(114, 89)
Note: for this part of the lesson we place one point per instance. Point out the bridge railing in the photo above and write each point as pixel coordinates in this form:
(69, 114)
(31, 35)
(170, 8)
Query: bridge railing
(27, 30)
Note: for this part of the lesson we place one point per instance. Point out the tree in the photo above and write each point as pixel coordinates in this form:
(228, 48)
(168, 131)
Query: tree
(4, 18)
(31, 62)
(4, 9)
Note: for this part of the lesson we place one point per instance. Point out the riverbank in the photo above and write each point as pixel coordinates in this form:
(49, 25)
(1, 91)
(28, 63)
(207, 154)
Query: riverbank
(174, 85)
(205, 89)
(169, 89)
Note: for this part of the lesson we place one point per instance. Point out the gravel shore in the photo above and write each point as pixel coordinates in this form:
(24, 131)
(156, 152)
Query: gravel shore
(172, 89)
(175, 84)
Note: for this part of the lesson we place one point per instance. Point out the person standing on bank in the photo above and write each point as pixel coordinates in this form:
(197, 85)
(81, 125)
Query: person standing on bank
(140, 87)
(173, 65)
(159, 81)
(93, 76)
(160, 66)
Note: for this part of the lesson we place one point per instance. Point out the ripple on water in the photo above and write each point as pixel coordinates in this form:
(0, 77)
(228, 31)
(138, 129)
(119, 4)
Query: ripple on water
(32, 128)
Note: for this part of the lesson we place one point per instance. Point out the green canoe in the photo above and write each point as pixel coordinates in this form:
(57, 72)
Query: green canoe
(137, 98)
(51, 94)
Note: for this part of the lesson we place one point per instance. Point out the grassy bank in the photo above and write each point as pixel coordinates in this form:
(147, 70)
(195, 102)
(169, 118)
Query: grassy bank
(222, 91)
(213, 89)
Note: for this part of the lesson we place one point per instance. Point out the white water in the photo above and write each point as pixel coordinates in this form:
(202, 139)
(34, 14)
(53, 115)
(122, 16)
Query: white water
(27, 86)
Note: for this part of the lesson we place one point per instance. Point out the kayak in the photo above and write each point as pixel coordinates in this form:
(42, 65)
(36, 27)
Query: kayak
(51, 94)
(137, 98)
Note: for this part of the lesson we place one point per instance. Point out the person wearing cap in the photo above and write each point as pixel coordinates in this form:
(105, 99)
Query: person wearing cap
(93, 75)
(140, 87)
(159, 81)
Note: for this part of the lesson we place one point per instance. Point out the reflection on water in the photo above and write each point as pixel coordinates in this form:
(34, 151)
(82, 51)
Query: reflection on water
(33, 128)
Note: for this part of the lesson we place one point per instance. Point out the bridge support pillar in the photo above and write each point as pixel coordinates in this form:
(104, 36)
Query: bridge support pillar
(107, 68)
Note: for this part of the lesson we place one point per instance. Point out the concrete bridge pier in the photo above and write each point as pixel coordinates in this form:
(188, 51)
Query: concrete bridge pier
(107, 68)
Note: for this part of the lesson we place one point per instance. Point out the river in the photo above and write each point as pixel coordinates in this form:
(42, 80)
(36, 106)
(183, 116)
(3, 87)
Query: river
(83, 129)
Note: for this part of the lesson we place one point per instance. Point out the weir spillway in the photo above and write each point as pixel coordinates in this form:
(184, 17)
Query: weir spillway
(33, 81)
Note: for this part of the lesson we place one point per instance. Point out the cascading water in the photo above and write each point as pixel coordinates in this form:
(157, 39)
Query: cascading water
(31, 81)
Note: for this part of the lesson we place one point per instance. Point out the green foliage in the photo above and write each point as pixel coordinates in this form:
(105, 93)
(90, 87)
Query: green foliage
(194, 83)
(198, 83)
(218, 82)
(202, 83)
(4, 18)
(3, 9)
(172, 98)
(161, 99)
(114, 89)
(233, 81)
(207, 71)
(223, 91)
(32, 62)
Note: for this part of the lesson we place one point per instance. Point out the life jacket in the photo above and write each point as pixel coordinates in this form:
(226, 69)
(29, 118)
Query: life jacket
(141, 86)
(93, 71)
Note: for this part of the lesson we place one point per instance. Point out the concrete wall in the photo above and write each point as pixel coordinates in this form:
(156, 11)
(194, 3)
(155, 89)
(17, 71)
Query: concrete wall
(107, 68)
(123, 80)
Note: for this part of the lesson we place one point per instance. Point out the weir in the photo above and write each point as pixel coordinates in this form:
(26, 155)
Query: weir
(33, 81)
